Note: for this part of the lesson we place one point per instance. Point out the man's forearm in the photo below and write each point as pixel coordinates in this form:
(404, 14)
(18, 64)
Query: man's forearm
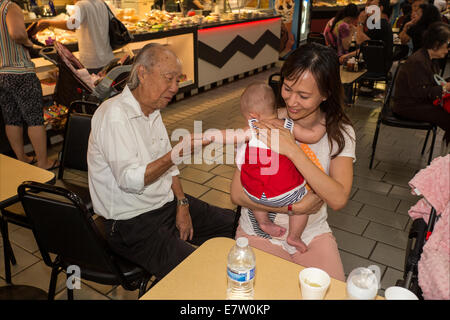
(61, 24)
(177, 188)
(157, 168)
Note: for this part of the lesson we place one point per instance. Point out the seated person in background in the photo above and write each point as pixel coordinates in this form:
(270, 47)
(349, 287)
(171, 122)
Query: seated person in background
(405, 17)
(133, 179)
(339, 30)
(415, 6)
(269, 178)
(425, 15)
(366, 31)
(415, 88)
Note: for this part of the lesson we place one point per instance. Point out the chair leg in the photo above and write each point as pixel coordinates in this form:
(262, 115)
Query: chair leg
(52, 286)
(374, 143)
(425, 144)
(69, 294)
(143, 287)
(432, 145)
(7, 250)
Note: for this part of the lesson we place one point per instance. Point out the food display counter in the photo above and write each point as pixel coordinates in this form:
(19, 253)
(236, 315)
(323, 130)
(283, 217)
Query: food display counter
(211, 47)
(324, 10)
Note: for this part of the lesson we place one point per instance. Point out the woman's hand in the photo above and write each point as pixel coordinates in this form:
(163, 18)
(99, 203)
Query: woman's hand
(310, 204)
(447, 86)
(283, 144)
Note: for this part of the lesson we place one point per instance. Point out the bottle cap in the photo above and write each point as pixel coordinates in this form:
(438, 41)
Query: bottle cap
(242, 242)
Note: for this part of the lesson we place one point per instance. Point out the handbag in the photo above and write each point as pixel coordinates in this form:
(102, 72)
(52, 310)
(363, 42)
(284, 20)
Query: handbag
(444, 101)
(119, 35)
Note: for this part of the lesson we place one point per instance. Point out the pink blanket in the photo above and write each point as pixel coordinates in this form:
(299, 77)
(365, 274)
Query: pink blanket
(433, 183)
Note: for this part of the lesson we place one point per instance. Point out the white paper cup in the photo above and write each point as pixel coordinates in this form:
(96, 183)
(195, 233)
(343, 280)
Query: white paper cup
(314, 283)
(399, 293)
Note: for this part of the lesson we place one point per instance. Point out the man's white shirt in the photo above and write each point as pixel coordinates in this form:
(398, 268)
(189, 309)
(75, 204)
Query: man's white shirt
(123, 141)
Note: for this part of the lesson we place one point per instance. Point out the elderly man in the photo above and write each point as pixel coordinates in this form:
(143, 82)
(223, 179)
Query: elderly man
(133, 181)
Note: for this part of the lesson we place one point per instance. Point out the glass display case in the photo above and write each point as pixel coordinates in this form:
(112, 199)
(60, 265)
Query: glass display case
(335, 3)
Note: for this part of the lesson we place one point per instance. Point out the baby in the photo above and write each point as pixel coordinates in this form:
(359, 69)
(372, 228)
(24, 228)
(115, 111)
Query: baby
(282, 187)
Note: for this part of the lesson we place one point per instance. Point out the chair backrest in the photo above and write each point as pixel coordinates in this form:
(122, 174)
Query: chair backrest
(62, 225)
(76, 138)
(373, 54)
(387, 105)
(316, 37)
(83, 106)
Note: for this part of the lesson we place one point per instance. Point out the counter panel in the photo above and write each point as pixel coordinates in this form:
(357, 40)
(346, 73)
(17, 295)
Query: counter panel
(229, 50)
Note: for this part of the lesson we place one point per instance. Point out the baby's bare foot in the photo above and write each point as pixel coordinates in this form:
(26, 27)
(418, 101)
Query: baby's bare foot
(272, 229)
(297, 242)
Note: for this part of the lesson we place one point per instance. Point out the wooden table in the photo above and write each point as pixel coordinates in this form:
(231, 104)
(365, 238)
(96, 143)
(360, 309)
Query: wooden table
(350, 78)
(202, 276)
(13, 172)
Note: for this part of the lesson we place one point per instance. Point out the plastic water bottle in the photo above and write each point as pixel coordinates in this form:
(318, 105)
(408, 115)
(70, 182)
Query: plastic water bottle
(241, 271)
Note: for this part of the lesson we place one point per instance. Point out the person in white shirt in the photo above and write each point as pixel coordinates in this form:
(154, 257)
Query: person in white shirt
(133, 180)
(90, 21)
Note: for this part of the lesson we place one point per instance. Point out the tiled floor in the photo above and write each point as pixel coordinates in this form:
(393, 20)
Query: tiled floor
(371, 229)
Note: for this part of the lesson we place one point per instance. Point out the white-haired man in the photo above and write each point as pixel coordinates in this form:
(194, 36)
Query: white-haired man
(132, 177)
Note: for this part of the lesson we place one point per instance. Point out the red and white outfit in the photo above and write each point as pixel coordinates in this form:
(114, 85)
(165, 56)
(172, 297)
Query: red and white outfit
(267, 177)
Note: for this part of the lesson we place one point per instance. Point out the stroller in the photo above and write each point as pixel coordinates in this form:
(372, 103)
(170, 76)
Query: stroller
(427, 253)
(74, 83)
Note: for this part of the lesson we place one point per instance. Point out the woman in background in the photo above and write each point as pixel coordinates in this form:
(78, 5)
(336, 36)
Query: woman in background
(415, 88)
(20, 89)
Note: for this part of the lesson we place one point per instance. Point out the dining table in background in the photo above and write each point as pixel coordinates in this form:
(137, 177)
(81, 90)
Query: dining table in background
(12, 173)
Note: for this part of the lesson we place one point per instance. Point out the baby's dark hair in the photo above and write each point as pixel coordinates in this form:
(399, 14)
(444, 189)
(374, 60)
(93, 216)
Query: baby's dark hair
(258, 98)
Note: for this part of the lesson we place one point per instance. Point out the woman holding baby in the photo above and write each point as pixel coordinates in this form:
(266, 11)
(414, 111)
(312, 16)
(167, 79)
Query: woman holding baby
(314, 98)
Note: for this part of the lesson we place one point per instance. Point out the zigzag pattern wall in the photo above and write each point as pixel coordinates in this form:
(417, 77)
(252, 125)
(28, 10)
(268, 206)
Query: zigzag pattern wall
(220, 58)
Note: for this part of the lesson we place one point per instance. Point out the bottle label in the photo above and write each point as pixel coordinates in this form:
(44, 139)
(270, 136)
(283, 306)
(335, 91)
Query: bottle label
(241, 276)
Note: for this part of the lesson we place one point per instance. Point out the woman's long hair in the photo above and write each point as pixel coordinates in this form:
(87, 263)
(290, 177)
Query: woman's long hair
(430, 14)
(323, 63)
(350, 10)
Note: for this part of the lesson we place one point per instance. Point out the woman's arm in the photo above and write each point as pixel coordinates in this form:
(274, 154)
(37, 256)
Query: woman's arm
(347, 56)
(334, 188)
(16, 26)
(310, 203)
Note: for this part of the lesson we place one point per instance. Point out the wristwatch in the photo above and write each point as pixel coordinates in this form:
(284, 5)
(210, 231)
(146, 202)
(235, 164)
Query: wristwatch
(183, 202)
(290, 213)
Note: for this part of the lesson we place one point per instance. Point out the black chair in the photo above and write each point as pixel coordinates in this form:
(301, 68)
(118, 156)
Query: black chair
(374, 61)
(316, 37)
(73, 156)
(63, 225)
(389, 118)
(82, 106)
